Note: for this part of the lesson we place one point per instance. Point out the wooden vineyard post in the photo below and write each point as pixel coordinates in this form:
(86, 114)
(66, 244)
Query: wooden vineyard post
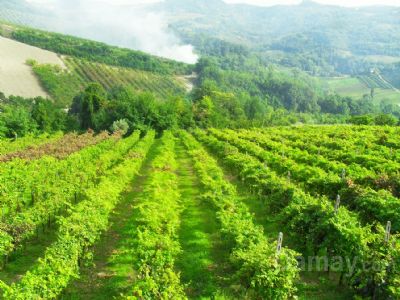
(387, 232)
(337, 204)
(280, 241)
(289, 175)
(343, 174)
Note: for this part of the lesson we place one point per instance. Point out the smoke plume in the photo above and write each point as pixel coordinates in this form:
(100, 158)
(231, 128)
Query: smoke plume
(131, 25)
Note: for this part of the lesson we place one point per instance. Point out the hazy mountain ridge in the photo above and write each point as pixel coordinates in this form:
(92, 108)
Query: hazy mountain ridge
(325, 35)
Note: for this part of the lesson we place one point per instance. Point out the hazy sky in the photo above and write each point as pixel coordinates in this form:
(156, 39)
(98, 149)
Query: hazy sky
(275, 2)
(335, 2)
(266, 2)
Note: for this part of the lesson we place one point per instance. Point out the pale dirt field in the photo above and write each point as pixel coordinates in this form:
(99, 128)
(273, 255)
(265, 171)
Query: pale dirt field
(16, 77)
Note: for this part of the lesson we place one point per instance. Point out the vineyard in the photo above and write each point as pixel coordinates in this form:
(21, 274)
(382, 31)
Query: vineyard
(63, 84)
(273, 213)
(374, 81)
(110, 77)
(31, 141)
(357, 87)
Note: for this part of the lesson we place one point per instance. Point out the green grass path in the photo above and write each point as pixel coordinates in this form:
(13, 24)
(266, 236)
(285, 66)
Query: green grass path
(111, 271)
(198, 234)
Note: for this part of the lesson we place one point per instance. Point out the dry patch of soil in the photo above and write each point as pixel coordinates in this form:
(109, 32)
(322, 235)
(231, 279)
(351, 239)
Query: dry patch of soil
(16, 77)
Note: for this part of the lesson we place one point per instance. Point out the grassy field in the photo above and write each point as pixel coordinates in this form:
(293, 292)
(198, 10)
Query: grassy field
(354, 87)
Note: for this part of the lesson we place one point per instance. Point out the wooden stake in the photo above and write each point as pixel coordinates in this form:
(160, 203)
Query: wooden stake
(280, 241)
(387, 233)
(343, 174)
(337, 204)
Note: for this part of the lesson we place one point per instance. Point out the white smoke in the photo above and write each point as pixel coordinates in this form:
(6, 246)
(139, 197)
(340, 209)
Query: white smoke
(133, 26)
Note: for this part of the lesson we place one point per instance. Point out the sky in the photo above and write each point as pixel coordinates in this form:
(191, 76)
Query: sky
(351, 3)
(354, 3)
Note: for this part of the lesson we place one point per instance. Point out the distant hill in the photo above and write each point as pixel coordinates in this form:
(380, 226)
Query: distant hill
(320, 39)
(369, 30)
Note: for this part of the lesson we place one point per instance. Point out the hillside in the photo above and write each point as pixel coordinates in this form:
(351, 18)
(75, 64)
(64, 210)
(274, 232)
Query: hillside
(323, 41)
(320, 39)
(62, 76)
(64, 84)
(16, 76)
(317, 38)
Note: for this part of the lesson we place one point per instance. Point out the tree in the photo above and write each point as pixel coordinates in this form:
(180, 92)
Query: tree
(255, 108)
(18, 121)
(47, 116)
(88, 104)
(385, 119)
(203, 111)
(362, 120)
(2, 97)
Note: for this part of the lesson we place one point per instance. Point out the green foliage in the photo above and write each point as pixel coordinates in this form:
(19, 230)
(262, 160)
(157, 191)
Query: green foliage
(380, 119)
(47, 117)
(88, 104)
(98, 110)
(61, 84)
(158, 216)
(8, 146)
(79, 230)
(384, 119)
(312, 220)
(121, 126)
(21, 117)
(17, 121)
(272, 89)
(254, 259)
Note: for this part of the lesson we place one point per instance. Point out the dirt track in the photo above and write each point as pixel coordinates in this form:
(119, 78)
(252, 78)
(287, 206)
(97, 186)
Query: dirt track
(16, 77)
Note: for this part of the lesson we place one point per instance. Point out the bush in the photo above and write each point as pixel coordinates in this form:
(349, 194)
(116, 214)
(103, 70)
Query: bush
(385, 119)
(121, 126)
